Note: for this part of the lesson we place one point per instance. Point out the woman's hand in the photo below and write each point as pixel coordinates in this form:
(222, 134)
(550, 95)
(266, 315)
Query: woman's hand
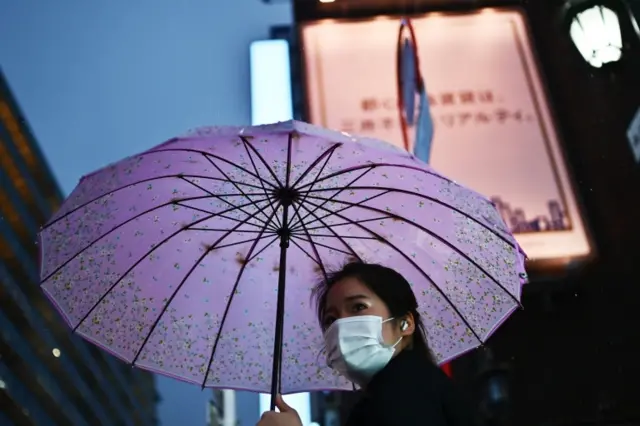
(286, 417)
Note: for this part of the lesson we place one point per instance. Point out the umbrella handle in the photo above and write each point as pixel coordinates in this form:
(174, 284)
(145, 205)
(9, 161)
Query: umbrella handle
(278, 340)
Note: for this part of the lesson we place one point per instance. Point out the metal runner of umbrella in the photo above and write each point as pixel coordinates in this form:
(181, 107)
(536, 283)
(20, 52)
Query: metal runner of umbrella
(196, 259)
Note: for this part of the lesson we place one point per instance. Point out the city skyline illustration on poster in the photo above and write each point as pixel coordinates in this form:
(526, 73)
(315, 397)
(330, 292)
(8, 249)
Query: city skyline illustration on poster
(493, 127)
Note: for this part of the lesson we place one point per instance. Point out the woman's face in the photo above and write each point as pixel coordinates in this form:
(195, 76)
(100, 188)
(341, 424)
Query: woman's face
(349, 297)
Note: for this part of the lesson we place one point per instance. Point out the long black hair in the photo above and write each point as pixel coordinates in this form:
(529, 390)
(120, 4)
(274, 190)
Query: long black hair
(389, 285)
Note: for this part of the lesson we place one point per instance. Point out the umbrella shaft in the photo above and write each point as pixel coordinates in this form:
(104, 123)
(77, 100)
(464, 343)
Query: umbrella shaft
(282, 276)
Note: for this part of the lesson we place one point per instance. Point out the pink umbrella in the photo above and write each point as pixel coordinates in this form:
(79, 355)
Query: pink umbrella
(176, 260)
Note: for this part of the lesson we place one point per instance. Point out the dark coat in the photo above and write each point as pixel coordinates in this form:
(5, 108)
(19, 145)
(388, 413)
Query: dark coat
(410, 391)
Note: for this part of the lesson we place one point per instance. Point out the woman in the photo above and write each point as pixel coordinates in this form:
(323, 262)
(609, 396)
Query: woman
(376, 339)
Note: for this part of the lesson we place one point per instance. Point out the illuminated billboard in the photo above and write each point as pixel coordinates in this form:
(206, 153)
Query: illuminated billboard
(494, 129)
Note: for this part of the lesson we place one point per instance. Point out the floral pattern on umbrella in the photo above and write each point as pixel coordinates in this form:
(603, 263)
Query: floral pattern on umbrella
(170, 259)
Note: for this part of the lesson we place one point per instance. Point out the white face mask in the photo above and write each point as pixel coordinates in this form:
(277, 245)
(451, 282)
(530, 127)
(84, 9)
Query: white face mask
(356, 348)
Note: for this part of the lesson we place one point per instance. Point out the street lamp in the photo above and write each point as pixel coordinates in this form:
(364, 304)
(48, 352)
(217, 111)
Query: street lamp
(594, 27)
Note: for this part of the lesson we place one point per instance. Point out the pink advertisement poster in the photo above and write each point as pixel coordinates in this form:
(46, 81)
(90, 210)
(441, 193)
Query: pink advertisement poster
(493, 127)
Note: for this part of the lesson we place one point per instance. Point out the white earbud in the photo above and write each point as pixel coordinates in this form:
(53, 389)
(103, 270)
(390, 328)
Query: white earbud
(404, 325)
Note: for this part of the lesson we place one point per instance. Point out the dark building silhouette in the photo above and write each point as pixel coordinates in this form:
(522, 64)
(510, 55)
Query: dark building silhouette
(517, 221)
(331, 408)
(48, 376)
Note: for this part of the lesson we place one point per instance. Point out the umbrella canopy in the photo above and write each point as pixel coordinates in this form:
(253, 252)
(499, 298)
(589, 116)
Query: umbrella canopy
(174, 259)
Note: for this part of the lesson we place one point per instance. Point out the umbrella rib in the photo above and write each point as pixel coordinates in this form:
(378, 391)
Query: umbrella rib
(437, 237)
(237, 243)
(217, 157)
(219, 196)
(248, 145)
(269, 225)
(212, 195)
(352, 251)
(335, 225)
(339, 191)
(328, 152)
(346, 237)
(426, 197)
(375, 165)
(213, 247)
(143, 257)
(314, 248)
(228, 307)
(120, 225)
(113, 191)
(289, 143)
(236, 186)
(234, 219)
(419, 269)
(319, 218)
(255, 169)
(295, 243)
(259, 252)
(247, 231)
(311, 242)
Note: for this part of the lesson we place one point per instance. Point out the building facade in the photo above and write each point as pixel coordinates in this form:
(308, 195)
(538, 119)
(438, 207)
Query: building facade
(48, 375)
(222, 408)
(330, 408)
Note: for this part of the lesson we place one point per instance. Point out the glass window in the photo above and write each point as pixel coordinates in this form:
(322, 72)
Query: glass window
(39, 337)
(16, 391)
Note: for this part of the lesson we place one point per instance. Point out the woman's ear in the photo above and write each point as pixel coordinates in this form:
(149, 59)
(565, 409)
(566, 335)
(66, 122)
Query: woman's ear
(407, 325)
